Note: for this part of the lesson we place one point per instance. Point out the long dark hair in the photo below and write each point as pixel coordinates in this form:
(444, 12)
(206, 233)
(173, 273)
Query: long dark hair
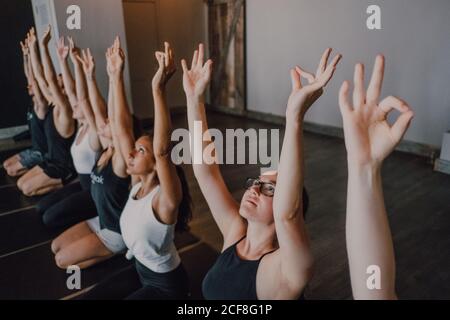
(185, 208)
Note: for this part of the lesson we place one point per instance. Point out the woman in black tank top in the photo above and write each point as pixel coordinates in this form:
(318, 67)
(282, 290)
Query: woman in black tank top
(59, 126)
(20, 163)
(266, 253)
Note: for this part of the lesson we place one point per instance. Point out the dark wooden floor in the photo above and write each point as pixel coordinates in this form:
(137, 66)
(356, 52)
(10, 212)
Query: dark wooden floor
(417, 200)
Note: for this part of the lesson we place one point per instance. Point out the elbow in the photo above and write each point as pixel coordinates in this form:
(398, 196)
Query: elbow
(162, 152)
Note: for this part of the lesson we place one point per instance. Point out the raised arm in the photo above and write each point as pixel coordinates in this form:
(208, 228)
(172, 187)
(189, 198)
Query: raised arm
(170, 196)
(224, 208)
(37, 66)
(26, 60)
(64, 121)
(69, 84)
(99, 112)
(295, 254)
(41, 105)
(119, 115)
(369, 139)
(83, 101)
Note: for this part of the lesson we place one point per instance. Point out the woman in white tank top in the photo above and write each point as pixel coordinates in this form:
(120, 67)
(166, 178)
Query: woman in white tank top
(159, 203)
(83, 154)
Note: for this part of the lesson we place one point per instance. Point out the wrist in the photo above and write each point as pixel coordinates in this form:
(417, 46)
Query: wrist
(294, 116)
(115, 77)
(158, 90)
(364, 170)
(195, 99)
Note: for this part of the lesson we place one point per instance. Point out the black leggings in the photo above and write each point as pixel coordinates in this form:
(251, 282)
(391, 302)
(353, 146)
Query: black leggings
(67, 206)
(128, 284)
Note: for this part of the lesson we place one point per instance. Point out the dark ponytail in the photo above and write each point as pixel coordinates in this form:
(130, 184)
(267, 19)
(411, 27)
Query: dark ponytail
(185, 208)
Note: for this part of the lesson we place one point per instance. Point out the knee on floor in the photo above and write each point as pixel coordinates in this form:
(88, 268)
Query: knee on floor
(55, 246)
(28, 189)
(63, 260)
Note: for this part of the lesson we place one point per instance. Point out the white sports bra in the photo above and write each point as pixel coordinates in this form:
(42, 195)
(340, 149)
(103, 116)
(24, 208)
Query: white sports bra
(83, 156)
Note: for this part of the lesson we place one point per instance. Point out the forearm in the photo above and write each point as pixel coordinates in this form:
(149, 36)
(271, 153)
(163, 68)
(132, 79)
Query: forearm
(196, 117)
(81, 86)
(69, 84)
(38, 72)
(369, 241)
(49, 71)
(162, 124)
(26, 69)
(121, 115)
(40, 106)
(97, 102)
(288, 199)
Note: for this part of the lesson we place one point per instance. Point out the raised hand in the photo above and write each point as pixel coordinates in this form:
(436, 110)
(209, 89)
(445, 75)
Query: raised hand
(198, 77)
(73, 51)
(47, 36)
(31, 38)
(115, 59)
(166, 67)
(369, 138)
(302, 97)
(87, 61)
(62, 49)
(24, 47)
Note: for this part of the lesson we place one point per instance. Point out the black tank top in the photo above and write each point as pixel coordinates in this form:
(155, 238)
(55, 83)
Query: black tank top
(110, 194)
(232, 278)
(58, 147)
(37, 131)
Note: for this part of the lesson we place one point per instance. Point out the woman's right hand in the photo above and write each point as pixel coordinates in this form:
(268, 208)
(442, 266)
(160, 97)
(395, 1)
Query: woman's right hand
(115, 59)
(87, 62)
(369, 138)
(24, 46)
(62, 49)
(74, 52)
(196, 79)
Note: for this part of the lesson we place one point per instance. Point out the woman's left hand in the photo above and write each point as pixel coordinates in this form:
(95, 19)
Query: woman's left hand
(303, 97)
(166, 67)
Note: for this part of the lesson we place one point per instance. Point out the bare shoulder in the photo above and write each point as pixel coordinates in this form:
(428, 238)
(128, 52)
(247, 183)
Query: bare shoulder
(270, 281)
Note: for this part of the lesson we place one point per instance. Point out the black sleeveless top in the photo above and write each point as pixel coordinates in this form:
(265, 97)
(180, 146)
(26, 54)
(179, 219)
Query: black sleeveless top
(232, 278)
(110, 194)
(58, 147)
(37, 131)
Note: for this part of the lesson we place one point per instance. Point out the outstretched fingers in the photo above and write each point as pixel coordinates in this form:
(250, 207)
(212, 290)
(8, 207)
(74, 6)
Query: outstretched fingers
(295, 79)
(329, 71)
(359, 94)
(376, 82)
(344, 102)
(323, 62)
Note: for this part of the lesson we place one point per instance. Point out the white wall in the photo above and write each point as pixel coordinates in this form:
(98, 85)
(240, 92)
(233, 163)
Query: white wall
(415, 40)
(44, 14)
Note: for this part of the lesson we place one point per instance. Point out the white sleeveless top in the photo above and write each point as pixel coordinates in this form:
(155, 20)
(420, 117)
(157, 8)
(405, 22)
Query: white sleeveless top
(83, 156)
(147, 239)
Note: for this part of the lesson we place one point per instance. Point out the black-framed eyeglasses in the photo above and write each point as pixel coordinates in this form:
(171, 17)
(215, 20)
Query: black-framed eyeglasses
(266, 188)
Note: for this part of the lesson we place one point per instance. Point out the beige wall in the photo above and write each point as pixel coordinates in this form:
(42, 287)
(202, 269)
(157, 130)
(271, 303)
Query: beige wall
(415, 40)
(183, 24)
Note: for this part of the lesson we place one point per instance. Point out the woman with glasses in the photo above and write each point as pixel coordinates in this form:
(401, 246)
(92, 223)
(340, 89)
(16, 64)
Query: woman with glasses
(266, 252)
